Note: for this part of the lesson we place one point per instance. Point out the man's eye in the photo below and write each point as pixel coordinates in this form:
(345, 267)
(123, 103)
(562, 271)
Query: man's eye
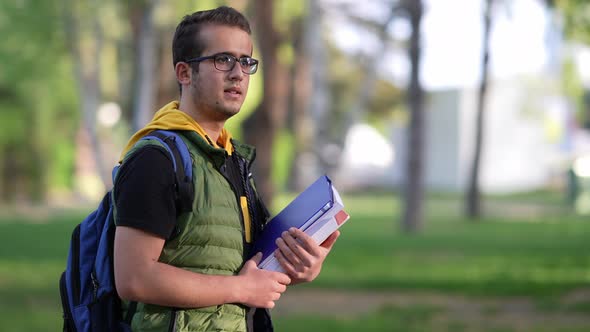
(222, 58)
(246, 61)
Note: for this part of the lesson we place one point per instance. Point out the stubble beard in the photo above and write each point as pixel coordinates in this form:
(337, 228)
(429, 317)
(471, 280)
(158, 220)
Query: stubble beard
(217, 109)
(227, 111)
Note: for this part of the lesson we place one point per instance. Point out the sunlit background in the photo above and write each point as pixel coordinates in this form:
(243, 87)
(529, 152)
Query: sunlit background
(467, 182)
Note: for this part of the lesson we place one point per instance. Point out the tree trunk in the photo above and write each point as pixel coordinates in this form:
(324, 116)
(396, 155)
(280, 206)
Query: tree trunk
(473, 195)
(87, 70)
(321, 93)
(126, 75)
(261, 127)
(309, 102)
(414, 189)
(167, 89)
(144, 35)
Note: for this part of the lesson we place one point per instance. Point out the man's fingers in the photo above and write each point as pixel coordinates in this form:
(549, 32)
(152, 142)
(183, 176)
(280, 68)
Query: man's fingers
(301, 245)
(285, 264)
(304, 240)
(282, 288)
(284, 280)
(289, 249)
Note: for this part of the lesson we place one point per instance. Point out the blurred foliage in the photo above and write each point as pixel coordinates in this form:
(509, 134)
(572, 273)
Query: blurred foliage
(37, 99)
(282, 159)
(386, 97)
(572, 88)
(386, 100)
(40, 96)
(288, 11)
(576, 19)
(576, 24)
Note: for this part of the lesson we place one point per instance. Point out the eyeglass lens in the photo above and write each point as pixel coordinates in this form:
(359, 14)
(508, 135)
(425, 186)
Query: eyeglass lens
(226, 62)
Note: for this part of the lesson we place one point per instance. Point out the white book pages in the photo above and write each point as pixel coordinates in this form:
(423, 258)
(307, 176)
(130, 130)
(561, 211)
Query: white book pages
(321, 231)
(319, 227)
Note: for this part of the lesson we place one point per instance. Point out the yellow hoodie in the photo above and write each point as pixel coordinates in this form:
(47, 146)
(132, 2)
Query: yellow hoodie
(170, 117)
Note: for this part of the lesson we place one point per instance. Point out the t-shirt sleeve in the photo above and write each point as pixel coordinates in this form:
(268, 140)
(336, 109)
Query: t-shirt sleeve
(145, 194)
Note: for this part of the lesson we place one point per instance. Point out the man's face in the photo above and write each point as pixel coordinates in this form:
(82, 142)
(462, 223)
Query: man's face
(217, 94)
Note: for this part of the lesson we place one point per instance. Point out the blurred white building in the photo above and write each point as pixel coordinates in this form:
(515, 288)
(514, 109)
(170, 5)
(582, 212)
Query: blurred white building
(523, 148)
(528, 131)
(519, 152)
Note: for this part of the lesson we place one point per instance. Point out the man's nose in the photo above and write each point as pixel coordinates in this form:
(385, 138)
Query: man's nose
(236, 74)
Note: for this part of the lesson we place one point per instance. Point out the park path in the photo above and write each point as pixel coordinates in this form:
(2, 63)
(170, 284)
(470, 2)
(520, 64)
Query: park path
(519, 313)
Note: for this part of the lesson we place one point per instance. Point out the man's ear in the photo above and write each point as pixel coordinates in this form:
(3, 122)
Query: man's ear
(183, 73)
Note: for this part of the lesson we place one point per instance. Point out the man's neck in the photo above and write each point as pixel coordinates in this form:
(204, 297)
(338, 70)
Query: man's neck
(212, 128)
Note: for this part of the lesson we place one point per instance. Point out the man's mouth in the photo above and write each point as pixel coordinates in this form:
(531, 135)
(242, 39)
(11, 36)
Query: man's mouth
(233, 91)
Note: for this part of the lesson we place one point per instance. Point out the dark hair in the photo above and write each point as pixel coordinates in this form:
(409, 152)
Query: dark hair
(187, 42)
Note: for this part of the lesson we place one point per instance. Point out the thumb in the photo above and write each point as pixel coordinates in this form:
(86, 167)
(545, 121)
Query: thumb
(256, 258)
(251, 264)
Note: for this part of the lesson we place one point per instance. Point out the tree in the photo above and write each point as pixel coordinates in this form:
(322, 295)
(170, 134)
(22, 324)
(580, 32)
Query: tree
(141, 18)
(414, 187)
(310, 95)
(34, 98)
(85, 40)
(473, 195)
(261, 127)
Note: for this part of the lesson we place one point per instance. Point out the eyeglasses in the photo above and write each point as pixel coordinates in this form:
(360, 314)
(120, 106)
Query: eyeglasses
(227, 62)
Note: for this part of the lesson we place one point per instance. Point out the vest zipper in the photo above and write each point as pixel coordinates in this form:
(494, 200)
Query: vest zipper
(172, 326)
(237, 195)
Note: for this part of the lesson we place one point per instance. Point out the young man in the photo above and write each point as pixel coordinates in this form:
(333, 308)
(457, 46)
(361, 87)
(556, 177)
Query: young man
(187, 270)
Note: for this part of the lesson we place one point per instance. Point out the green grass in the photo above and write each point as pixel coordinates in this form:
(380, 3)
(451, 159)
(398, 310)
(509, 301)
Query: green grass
(496, 256)
(541, 257)
(32, 257)
(420, 318)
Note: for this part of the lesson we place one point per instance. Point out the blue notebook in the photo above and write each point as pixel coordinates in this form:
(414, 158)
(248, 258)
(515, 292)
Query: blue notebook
(307, 207)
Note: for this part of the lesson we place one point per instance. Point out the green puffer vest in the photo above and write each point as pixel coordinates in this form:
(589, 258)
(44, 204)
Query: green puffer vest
(209, 240)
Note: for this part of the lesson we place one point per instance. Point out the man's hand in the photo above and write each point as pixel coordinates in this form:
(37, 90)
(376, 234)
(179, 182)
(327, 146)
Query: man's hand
(261, 288)
(300, 256)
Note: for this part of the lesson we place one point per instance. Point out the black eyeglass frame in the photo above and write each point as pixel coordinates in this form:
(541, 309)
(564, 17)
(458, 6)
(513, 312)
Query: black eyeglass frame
(243, 61)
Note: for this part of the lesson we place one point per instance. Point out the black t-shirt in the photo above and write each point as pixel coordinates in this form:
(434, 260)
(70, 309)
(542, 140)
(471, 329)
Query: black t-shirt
(144, 192)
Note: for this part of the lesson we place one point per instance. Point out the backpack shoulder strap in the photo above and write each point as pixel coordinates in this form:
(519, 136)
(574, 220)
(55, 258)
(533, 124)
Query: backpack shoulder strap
(182, 163)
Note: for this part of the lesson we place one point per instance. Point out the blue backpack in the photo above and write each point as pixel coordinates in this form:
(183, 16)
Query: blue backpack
(87, 286)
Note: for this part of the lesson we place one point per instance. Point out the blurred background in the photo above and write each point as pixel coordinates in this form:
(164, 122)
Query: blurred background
(458, 132)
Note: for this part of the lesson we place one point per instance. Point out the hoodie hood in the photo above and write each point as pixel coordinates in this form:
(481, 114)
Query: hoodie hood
(170, 117)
